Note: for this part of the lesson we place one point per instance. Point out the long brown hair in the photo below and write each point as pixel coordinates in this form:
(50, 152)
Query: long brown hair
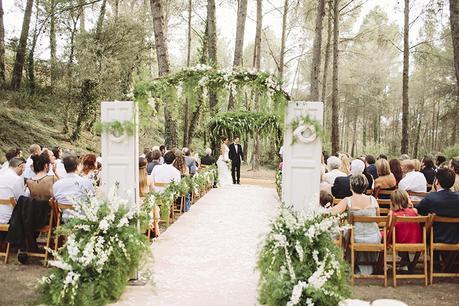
(396, 169)
(89, 163)
(179, 162)
(143, 177)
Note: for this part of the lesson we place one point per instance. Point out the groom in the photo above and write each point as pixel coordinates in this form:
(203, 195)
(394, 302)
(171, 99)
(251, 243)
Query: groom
(236, 155)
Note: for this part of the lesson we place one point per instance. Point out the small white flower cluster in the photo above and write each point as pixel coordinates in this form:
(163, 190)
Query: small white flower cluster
(200, 67)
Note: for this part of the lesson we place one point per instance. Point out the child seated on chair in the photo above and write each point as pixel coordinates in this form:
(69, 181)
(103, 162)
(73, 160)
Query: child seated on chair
(406, 232)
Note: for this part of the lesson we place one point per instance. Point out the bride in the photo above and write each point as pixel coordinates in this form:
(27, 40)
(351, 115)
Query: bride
(224, 175)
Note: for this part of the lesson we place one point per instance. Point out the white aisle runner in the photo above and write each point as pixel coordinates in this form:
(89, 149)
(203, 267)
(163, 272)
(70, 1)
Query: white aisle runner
(208, 256)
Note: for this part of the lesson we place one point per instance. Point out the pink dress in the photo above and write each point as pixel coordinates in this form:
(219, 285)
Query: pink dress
(407, 232)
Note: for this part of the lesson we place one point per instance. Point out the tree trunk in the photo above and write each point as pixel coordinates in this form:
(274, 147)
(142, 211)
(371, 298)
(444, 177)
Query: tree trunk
(100, 19)
(30, 67)
(316, 52)
(335, 101)
(406, 67)
(454, 20)
(2, 48)
(326, 61)
(280, 68)
(82, 16)
(52, 42)
(117, 4)
(186, 116)
(256, 64)
(354, 136)
(212, 49)
(21, 51)
(170, 128)
(239, 43)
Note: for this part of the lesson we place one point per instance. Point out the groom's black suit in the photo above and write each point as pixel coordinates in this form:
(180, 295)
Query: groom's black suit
(236, 156)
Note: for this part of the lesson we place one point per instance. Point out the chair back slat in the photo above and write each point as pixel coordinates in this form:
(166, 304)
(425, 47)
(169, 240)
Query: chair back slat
(161, 184)
(10, 201)
(417, 219)
(369, 219)
(417, 194)
(440, 219)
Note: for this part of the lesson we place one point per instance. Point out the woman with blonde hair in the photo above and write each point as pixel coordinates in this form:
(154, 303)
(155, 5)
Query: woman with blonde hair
(385, 180)
(180, 163)
(345, 164)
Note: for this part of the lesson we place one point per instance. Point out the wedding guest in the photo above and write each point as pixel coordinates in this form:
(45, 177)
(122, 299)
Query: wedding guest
(413, 180)
(326, 199)
(455, 168)
(11, 186)
(371, 167)
(180, 163)
(41, 185)
(90, 168)
(341, 188)
(145, 185)
(360, 204)
(333, 164)
(145, 152)
(404, 157)
(444, 203)
(60, 169)
(208, 159)
(72, 187)
(165, 173)
(382, 156)
(385, 180)
(162, 149)
(153, 159)
(34, 150)
(405, 232)
(428, 169)
(190, 161)
(8, 155)
(345, 164)
(396, 169)
(417, 165)
(440, 160)
(323, 184)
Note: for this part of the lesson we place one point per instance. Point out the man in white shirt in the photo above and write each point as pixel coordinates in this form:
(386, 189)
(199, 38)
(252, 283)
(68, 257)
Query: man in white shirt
(11, 186)
(413, 181)
(165, 173)
(333, 164)
(28, 172)
(72, 185)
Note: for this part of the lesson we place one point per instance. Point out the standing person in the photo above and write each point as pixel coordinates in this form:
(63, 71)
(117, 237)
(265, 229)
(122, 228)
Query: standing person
(237, 157)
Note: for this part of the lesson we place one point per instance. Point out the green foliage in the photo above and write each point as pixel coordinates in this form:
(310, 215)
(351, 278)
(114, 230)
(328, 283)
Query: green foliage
(300, 263)
(240, 123)
(279, 183)
(116, 127)
(452, 151)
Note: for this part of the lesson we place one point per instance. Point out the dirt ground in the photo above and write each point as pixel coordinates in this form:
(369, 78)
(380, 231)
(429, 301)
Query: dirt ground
(18, 282)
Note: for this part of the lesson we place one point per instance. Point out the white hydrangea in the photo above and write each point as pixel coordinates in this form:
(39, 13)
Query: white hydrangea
(296, 293)
(60, 264)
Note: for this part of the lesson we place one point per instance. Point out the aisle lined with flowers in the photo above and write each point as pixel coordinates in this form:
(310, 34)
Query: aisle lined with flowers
(208, 256)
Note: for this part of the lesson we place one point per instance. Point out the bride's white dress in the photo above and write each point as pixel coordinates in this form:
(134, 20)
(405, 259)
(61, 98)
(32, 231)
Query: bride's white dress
(224, 174)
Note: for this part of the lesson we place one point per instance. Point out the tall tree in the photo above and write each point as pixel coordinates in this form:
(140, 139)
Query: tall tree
(2, 48)
(82, 16)
(405, 81)
(281, 64)
(257, 45)
(186, 115)
(212, 48)
(52, 40)
(327, 58)
(316, 52)
(100, 19)
(22, 47)
(335, 101)
(239, 43)
(454, 21)
(162, 55)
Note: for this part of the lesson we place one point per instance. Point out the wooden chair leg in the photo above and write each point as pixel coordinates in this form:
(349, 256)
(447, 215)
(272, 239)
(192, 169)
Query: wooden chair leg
(352, 264)
(48, 243)
(394, 266)
(385, 267)
(425, 267)
(56, 237)
(7, 252)
(431, 265)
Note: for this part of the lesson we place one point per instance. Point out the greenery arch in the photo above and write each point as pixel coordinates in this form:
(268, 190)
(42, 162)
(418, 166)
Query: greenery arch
(242, 123)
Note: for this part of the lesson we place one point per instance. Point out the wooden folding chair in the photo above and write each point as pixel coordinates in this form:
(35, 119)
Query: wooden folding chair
(383, 223)
(417, 194)
(369, 192)
(58, 208)
(384, 206)
(441, 247)
(382, 192)
(47, 229)
(5, 227)
(418, 248)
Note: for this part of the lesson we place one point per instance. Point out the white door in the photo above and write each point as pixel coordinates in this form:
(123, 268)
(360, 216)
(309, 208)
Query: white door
(301, 160)
(120, 154)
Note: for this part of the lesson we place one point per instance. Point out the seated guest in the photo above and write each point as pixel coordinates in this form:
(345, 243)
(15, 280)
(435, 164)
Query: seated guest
(413, 180)
(180, 164)
(417, 165)
(145, 185)
(11, 186)
(359, 204)
(405, 232)
(371, 167)
(90, 168)
(396, 169)
(165, 173)
(428, 169)
(385, 180)
(323, 184)
(162, 149)
(41, 185)
(72, 186)
(9, 155)
(404, 157)
(60, 169)
(153, 159)
(345, 164)
(444, 203)
(145, 152)
(34, 151)
(341, 189)
(190, 162)
(440, 160)
(326, 199)
(455, 168)
(208, 160)
(333, 164)
(382, 156)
